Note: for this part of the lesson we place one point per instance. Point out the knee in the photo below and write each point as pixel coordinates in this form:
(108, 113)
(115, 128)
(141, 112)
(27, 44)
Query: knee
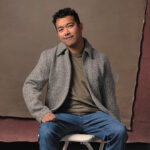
(120, 131)
(45, 132)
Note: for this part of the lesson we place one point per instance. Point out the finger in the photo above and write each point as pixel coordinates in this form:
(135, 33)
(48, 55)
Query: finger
(46, 119)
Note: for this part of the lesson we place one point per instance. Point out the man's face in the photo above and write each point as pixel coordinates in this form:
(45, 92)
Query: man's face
(68, 31)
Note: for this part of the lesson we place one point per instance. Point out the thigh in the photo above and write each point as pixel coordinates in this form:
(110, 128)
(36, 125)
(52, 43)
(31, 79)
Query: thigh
(101, 125)
(63, 125)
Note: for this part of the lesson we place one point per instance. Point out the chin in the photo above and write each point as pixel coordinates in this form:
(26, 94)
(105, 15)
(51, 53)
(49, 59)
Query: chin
(69, 44)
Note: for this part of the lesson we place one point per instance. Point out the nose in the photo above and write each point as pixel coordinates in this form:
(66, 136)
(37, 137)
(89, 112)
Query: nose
(66, 31)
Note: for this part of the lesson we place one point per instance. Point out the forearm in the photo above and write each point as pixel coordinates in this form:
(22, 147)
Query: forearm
(32, 94)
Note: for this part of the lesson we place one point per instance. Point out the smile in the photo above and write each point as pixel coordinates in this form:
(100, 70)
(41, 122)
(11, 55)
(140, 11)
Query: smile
(69, 37)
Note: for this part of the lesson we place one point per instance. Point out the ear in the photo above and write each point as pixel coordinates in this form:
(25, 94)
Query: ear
(81, 26)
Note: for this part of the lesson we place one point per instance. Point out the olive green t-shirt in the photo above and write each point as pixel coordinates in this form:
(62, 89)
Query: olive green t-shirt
(79, 100)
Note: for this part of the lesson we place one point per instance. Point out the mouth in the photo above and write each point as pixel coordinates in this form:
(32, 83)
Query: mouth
(69, 37)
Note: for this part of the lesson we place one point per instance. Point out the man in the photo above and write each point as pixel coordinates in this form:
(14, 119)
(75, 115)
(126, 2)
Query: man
(81, 93)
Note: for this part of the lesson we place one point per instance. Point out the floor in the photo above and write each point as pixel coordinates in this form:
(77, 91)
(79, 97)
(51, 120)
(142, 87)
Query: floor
(72, 146)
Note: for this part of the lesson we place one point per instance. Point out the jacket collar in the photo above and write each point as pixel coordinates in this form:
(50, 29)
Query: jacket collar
(61, 48)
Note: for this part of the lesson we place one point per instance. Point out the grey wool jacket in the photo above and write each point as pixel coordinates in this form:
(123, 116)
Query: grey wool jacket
(54, 68)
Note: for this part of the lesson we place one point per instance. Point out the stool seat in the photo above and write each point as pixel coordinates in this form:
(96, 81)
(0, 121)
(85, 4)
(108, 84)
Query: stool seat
(79, 138)
(82, 138)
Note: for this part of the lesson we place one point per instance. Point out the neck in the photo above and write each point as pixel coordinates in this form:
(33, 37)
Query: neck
(78, 48)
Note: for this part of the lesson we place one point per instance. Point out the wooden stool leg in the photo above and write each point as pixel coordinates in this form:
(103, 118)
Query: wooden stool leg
(65, 145)
(101, 147)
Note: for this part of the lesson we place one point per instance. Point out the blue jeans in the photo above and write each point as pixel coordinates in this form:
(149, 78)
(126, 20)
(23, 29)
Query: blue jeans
(99, 124)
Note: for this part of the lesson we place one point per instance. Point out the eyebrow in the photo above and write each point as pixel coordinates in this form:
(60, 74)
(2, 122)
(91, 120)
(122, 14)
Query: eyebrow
(65, 25)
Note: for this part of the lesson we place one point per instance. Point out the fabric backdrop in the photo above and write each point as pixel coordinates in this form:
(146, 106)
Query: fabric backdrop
(113, 27)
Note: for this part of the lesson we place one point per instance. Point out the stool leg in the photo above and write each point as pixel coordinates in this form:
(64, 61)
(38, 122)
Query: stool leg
(101, 147)
(65, 145)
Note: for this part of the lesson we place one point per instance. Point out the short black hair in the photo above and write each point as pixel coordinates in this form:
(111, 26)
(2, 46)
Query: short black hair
(61, 13)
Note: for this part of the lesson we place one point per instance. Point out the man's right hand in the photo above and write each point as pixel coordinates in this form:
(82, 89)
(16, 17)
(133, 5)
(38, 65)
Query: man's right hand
(48, 117)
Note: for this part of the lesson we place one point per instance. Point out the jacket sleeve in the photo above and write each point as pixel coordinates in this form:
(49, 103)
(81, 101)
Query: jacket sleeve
(108, 90)
(32, 88)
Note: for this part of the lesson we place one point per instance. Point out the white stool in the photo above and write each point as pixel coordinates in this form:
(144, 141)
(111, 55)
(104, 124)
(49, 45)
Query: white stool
(82, 138)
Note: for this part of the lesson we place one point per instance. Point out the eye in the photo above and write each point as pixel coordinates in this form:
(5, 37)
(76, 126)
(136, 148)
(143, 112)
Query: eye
(70, 25)
(59, 29)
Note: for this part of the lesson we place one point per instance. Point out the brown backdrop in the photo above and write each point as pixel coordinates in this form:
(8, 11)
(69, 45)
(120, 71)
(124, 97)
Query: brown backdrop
(113, 27)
